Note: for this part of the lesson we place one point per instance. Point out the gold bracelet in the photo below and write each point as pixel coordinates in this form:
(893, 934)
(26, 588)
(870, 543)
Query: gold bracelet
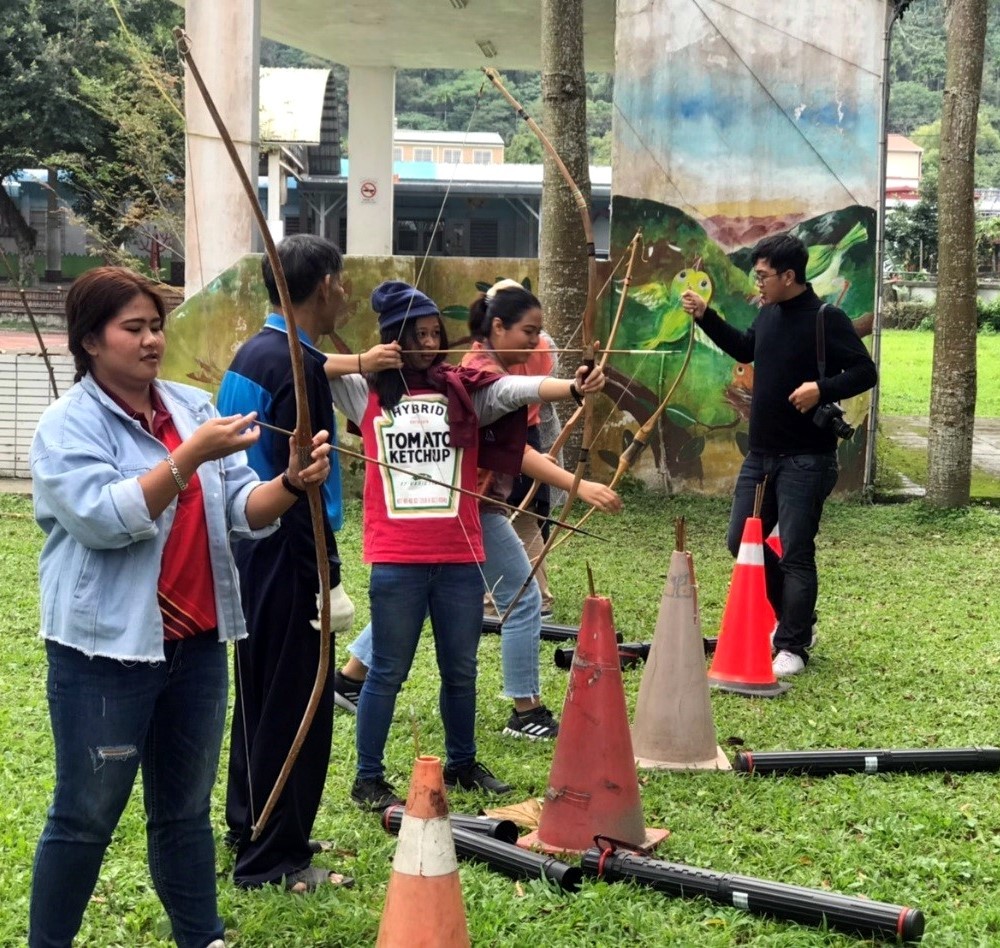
(178, 480)
(361, 371)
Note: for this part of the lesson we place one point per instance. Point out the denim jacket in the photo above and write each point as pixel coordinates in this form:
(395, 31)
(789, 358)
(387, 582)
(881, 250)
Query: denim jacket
(100, 562)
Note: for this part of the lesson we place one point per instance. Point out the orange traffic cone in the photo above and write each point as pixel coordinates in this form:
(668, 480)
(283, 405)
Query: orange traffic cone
(673, 728)
(593, 786)
(742, 662)
(774, 540)
(423, 906)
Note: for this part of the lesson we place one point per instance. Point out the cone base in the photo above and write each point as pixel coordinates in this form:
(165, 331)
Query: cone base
(719, 762)
(652, 839)
(748, 690)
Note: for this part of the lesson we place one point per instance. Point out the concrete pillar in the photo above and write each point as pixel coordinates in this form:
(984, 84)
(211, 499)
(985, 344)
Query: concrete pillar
(372, 94)
(218, 225)
(276, 195)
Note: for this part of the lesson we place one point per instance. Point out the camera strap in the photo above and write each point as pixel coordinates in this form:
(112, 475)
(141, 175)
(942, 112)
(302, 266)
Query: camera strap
(821, 341)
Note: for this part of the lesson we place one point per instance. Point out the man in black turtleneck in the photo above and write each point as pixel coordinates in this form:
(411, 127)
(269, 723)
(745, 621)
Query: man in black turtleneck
(798, 457)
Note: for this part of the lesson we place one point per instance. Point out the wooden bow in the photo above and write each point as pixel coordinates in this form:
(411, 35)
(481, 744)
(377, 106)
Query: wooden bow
(587, 442)
(587, 323)
(583, 206)
(303, 435)
(638, 444)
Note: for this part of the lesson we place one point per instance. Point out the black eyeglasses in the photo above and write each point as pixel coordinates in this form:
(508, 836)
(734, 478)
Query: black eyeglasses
(760, 278)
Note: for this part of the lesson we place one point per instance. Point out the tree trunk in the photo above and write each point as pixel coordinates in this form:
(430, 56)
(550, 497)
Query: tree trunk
(953, 380)
(24, 237)
(53, 230)
(562, 264)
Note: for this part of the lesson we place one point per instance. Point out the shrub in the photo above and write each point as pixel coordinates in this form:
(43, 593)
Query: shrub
(988, 314)
(908, 315)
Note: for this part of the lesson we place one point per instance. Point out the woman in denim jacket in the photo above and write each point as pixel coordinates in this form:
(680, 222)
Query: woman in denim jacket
(138, 485)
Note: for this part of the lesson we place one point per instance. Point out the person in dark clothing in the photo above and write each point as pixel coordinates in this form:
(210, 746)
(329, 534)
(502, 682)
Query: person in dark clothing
(276, 666)
(797, 456)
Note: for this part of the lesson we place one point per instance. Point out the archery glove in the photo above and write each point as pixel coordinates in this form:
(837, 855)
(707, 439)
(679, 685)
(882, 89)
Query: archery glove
(341, 610)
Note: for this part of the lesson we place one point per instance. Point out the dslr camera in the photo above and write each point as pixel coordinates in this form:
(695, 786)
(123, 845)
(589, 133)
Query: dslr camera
(831, 415)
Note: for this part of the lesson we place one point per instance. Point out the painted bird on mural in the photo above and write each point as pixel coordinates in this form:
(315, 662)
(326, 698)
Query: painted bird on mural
(823, 268)
(739, 392)
(664, 302)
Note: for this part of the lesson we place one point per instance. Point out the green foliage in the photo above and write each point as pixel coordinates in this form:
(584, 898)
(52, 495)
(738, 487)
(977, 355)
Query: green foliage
(987, 150)
(912, 104)
(86, 105)
(917, 67)
(908, 315)
(524, 148)
(988, 243)
(912, 234)
(988, 315)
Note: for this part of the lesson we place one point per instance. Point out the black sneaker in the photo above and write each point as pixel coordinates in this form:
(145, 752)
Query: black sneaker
(346, 692)
(474, 776)
(374, 794)
(536, 724)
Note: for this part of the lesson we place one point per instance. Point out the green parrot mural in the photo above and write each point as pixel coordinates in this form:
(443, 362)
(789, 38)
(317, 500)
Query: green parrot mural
(702, 431)
(664, 303)
(823, 268)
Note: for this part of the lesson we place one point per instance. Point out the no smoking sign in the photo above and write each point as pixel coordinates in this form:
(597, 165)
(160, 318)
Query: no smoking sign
(369, 190)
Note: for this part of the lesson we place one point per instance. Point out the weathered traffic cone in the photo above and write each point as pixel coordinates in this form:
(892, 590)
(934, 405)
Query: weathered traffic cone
(673, 727)
(423, 905)
(742, 662)
(593, 787)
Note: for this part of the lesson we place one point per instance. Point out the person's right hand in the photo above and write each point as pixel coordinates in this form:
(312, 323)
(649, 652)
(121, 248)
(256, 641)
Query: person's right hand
(220, 437)
(693, 304)
(381, 357)
(600, 496)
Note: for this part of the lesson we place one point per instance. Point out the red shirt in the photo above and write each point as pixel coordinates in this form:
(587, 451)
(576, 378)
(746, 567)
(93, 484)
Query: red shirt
(408, 520)
(185, 589)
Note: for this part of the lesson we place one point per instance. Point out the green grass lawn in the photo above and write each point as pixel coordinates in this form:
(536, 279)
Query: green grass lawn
(905, 373)
(905, 390)
(908, 657)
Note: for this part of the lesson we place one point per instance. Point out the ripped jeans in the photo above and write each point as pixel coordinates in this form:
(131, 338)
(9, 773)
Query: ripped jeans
(108, 719)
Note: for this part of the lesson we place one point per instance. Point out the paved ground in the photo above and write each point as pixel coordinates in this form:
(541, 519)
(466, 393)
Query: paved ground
(910, 431)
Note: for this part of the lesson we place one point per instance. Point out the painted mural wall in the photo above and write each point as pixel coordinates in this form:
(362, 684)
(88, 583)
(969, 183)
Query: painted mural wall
(734, 121)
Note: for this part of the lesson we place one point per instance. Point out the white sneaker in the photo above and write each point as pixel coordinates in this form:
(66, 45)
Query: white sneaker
(787, 663)
(218, 943)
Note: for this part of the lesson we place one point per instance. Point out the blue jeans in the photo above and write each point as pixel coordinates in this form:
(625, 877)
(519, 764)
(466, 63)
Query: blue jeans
(797, 486)
(108, 719)
(505, 569)
(401, 595)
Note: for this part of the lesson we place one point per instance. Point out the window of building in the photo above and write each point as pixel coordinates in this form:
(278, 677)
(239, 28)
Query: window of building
(484, 238)
(397, 154)
(423, 154)
(293, 225)
(481, 156)
(414, 236)
(453, 156)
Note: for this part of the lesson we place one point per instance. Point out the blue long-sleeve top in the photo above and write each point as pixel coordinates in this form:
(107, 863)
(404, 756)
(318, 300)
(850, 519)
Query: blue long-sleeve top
(100, 563)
